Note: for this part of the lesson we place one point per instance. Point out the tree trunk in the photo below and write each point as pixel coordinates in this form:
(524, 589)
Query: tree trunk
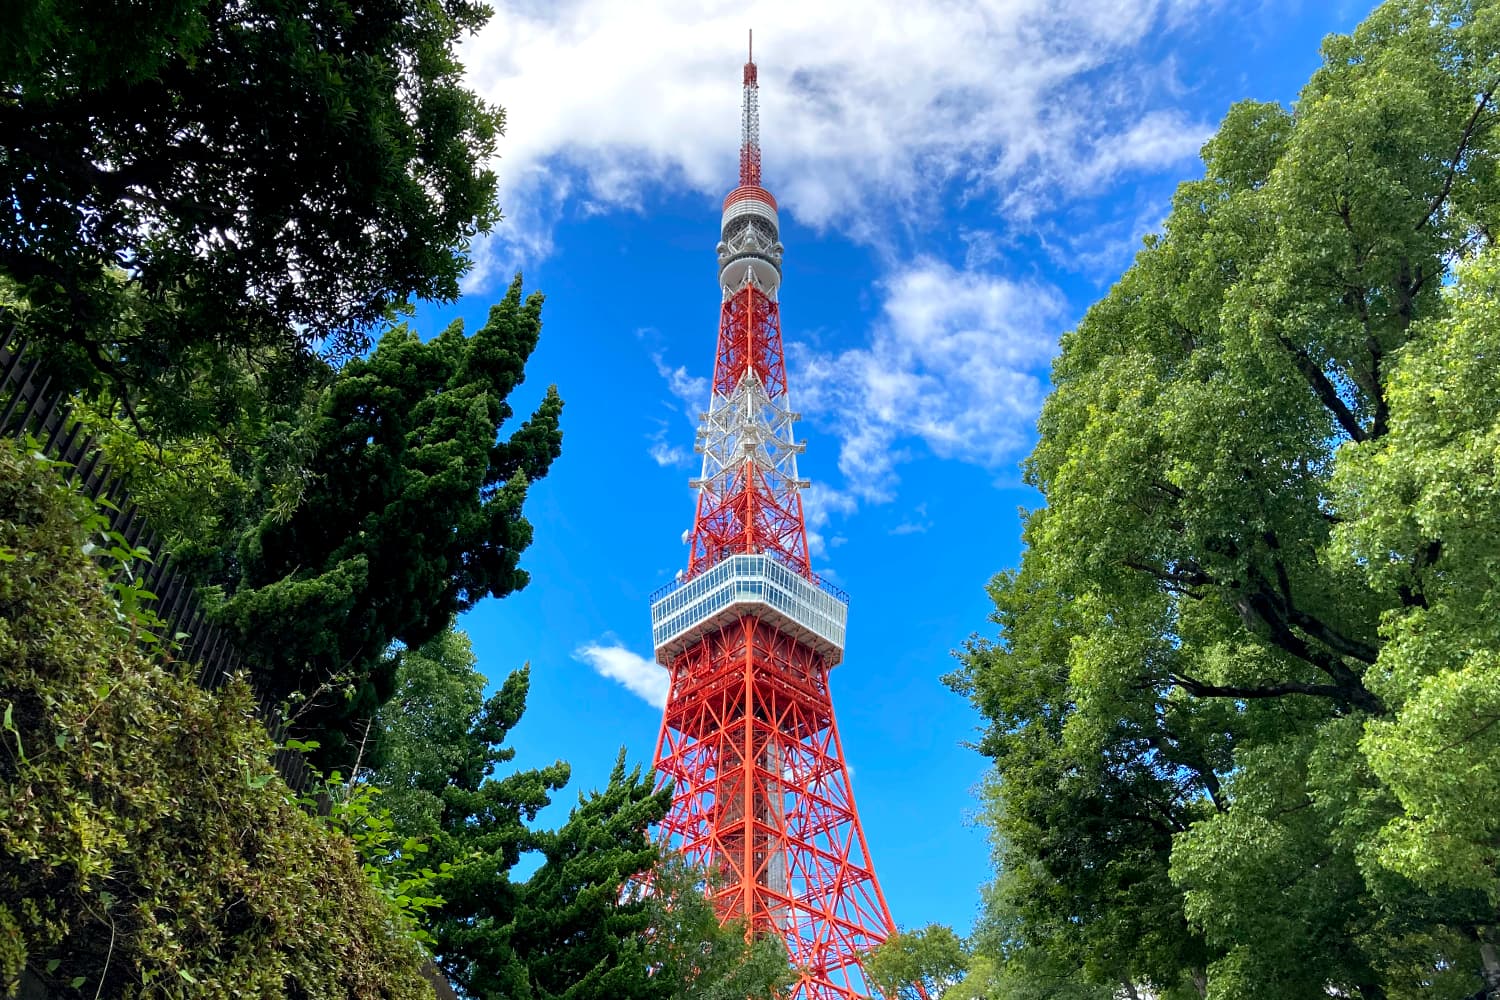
(1130, 991)
(1489, 957)
(1200, 982)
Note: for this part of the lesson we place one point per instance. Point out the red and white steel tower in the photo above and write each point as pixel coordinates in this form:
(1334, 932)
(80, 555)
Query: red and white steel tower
(749, 634)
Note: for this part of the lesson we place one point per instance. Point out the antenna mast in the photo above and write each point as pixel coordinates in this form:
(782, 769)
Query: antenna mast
(750, 124)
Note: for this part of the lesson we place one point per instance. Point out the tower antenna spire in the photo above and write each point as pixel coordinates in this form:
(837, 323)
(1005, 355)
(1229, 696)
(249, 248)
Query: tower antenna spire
(750, 124)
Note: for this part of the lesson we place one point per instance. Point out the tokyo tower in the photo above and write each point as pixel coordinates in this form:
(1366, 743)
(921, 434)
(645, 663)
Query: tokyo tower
(749, 634)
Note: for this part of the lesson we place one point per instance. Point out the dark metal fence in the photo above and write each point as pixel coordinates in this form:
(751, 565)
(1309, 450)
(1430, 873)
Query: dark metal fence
(30, 406)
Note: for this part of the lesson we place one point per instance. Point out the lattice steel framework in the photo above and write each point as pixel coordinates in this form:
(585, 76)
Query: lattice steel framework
(749, 635)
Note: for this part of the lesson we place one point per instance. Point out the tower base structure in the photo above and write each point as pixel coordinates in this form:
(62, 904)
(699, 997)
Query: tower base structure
(749, 741)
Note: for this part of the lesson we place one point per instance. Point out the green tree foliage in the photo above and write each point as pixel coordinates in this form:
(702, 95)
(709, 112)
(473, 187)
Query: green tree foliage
(568, 930)
(332, 521)
(1432, 485)
(935, 963)
(1242, 702)
(910, 965)
(695, 957)
(578, 937)
(192, 181)
(410, 512)
(146, 846)
(565, 931)
(205, 197)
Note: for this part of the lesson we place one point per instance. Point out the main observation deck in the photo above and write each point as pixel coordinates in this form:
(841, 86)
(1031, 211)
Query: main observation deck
(737, 585)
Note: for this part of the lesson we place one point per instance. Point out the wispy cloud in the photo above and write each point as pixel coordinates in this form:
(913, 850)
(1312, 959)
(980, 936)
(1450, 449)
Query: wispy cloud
(691, 390)
(917, 524)
(668, 442)
(956, 362)
(669, 456)
(643, 678)
(665, 449)
(1100, 252)
(1024, 104)
(819, 503)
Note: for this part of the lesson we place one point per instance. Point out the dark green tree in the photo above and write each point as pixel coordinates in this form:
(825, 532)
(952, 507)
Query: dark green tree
(578, 938)
(409, 512)
(569, 930)
(692, 955)
(565, 931)
(193, 179)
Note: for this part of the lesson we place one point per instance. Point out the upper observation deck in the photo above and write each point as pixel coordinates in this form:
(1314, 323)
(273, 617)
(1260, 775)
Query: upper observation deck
(758, 585)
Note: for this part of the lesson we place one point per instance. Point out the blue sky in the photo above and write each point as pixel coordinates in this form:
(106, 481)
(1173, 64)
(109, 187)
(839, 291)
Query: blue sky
(958, 181)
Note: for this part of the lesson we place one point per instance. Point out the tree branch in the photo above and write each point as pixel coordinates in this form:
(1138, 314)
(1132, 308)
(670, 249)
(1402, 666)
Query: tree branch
(1312, 625)
(1319, 630)
(1458, 154)
(1324, 389)
(1253, 609)
(1201, 689)
(1415, 596)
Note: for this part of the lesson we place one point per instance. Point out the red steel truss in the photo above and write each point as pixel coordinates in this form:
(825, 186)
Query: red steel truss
(748, 738)
(762, 797)
(747, 501)
(750, 340)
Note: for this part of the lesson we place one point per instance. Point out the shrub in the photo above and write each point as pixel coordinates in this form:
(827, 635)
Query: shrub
(146, 845)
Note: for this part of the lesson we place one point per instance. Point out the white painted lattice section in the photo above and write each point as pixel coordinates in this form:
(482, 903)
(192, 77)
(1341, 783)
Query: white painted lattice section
(748, 425)
(749, 583)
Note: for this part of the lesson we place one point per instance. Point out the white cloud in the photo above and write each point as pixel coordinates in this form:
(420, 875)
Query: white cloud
(957, 361)
(665, 449)
(668, 447)
(690, 390)
(1023, 104)
(643, 678)
(669, 456)
(819, 502)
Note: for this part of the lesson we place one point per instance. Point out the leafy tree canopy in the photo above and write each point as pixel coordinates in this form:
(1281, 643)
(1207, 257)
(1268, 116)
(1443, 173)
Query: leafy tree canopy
(195, 177)
(1240, 703)
(913, 964)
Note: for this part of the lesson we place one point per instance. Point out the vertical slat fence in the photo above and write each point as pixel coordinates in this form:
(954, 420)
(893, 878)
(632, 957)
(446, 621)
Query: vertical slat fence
(28, 407)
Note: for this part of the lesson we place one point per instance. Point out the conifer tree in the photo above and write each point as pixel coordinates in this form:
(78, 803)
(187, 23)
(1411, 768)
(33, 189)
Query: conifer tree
(409, 512)
(570, 930)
